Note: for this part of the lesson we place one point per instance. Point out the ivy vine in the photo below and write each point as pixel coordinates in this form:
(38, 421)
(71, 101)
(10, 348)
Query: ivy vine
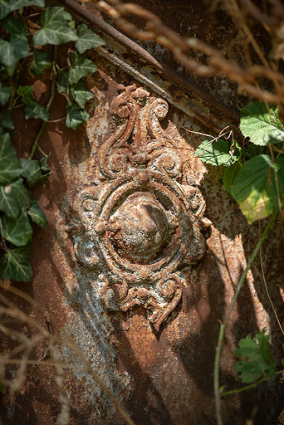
(22, 47)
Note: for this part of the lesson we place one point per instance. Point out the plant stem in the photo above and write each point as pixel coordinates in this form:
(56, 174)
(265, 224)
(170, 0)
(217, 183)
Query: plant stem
(52, 94)
(227, 318)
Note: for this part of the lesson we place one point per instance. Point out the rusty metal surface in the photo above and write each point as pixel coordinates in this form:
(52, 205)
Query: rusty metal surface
(163, 377)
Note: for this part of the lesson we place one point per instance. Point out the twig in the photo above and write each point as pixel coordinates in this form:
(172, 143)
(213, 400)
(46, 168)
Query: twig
(227, 318)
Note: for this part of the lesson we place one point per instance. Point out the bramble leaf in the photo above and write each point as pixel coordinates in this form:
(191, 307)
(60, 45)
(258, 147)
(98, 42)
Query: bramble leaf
(17, 231)
(39, 62)
(230, 174)
(37, 215)
(80, 66)
(5, 93)
(75, 116)
(81, 93)
(217, 152)
(87, 39)
(55, 29)
(253, 188)
(261, 126)
(15, 264)
(255, 358)
(10, 167)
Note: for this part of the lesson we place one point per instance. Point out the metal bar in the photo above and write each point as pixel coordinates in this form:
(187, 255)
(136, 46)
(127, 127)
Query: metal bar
(181, 79)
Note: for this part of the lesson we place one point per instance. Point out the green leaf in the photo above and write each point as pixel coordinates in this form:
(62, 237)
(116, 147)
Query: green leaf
(81, 93)
(62, 83)
(4, 8)
(17, 231)
(255, 358)
(44, 167)
(39, 62)
(10, 167)
(16, 27)
(31, 170)
(37, 215)
(230, 174)
(253, 188)
(12, 51)
(217, 152)
(75, 116)
(87, 39)
(55, 29)
(12, 198)
(26, 93)
(80, 66)
(35, 110)
(6, 120)
(15, 265)
(19, 4)
(5, 93)
(261, 126)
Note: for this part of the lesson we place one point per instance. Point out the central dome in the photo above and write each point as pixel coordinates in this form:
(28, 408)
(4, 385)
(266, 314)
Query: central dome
(139, 227)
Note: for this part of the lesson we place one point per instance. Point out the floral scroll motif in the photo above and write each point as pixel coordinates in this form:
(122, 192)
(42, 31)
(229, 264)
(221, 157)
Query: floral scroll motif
(139, 226)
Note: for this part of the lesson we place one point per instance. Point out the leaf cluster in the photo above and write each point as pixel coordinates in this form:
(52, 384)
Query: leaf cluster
(19, 50)
(254, 175)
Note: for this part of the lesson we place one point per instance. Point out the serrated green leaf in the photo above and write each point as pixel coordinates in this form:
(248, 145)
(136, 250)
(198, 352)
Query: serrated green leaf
(81, 93)
(15, 265)
(10, 167)
(255, 358)
(80, 66)
(13, 198)
(6, 120)
(87, 39)
(230, 174)
(17, 231)
(37, 215)
(39, 62)
(253, 188)
(16, 27)
(55, 29)
(63, 81)
(4, 9)
(12, 51)
(261, 126)
(5, 93)
(19, 4)
(35, 110)
(217, 153)
(75, 116)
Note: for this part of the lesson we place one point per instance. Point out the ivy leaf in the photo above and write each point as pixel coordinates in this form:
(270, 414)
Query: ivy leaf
(12, 198)
(37, 215)
(12, 51)
(63, 81)
(10, 167)
(15, 264)
(5, 93)
(4, 8)
(261, 126)
(81, 93)
(17, 231)
(31, 170)
(87, 39)
(255, 358)
(75, 116)
(253, 188)
(55, 29)
(16, 27)
(6, 120)
(80, 66)
(26, 93)
(44, 167)
(217, 153)
(35, 110)
(39, 62)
